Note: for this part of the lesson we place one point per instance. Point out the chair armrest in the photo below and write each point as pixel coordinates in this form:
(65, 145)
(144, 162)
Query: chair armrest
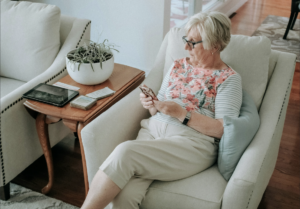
(119, 123)
(19, 129)
(252, 174)
(79, 32)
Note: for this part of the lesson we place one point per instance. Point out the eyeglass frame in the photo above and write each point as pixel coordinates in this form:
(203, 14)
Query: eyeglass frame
(188, 42)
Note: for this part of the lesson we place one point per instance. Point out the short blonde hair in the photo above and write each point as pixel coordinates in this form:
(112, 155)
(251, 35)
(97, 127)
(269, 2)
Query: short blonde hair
(214, 28)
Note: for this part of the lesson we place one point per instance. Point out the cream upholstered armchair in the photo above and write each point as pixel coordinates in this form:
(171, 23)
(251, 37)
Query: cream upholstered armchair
(35, 39)
(266, 76)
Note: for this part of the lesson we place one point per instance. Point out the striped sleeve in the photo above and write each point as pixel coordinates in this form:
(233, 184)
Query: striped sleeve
(164, 85)
(229, 97)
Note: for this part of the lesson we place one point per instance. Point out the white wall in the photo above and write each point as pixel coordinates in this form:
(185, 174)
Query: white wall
(136, 26)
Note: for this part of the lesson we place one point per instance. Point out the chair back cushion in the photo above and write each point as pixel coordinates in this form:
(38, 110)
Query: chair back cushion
(29, 38)
(249, 56)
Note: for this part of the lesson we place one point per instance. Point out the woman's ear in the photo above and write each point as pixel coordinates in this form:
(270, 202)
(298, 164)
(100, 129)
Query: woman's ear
(216, 49)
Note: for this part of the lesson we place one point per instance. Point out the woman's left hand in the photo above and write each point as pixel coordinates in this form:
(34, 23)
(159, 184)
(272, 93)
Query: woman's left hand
(170, 108)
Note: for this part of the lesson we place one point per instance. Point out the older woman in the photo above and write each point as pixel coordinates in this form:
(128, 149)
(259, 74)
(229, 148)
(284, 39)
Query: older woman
(181, 138)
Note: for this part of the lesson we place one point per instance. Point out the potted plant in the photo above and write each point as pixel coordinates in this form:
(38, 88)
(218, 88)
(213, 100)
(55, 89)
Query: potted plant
(91, 63)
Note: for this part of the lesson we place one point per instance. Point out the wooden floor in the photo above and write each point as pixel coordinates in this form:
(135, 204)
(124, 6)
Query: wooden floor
(283, 191)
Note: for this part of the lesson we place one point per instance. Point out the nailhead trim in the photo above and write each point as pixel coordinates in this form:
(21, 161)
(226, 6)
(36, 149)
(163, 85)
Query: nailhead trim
(249, 199)
(277, 122)
(55, 75)
(83, 33)
(1, 156)
(284, 98)
(18, 100)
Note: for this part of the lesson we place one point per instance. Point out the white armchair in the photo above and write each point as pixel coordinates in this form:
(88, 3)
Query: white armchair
(19, 142)
(266, 75)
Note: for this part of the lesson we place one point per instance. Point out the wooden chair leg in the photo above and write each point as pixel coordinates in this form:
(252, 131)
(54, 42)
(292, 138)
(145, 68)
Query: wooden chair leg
(5, 192)
(289, 25)
(294, 20)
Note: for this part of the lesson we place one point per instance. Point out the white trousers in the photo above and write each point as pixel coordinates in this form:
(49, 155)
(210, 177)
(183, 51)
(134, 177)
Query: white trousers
(161, 152)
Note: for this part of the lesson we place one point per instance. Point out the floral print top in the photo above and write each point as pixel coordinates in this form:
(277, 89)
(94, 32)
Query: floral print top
(200, 90)
(196, 87)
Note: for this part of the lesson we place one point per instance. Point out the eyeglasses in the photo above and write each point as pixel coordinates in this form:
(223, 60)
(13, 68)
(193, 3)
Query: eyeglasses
(190, 43)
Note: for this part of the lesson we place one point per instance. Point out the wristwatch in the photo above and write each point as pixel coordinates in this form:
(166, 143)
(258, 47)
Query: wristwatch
(187, 118)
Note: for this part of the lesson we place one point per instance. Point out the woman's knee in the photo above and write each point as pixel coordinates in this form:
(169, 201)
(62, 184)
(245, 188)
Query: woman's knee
(124, 150)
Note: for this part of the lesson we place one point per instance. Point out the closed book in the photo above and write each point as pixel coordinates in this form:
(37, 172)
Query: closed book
(83, 102)
(102, 93)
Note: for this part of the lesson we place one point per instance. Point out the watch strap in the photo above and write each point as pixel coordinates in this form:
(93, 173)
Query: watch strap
(187, 118)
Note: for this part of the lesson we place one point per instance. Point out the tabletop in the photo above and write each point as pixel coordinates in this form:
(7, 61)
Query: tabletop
(123, 80)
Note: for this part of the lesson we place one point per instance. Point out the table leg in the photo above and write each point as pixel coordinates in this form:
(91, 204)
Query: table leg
(86, 181)
(42, 130)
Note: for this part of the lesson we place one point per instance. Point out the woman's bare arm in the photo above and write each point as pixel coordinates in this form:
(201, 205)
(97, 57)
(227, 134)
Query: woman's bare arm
(204, 124)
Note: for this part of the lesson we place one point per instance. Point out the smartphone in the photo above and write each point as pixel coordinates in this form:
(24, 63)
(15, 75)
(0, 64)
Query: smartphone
(148, 91)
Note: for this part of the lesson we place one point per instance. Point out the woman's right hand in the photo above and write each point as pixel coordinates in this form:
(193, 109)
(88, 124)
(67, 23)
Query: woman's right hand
(147, 102)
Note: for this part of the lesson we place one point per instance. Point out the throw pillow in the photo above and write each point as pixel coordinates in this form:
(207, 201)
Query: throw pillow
(238, 133)
(30, 38)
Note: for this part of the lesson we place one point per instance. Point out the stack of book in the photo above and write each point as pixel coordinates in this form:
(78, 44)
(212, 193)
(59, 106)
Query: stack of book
(83, 102)
(88, 101)
(102, 93)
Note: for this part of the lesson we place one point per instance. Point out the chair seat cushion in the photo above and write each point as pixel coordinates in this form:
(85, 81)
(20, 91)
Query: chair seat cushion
(30, 38)
(7, 85)
(203, 190)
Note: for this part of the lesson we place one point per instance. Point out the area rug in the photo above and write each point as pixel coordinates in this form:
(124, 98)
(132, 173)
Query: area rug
(22, 198)
(274, 28)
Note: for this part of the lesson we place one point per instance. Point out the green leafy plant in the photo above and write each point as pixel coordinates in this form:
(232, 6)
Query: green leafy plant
(92, 53)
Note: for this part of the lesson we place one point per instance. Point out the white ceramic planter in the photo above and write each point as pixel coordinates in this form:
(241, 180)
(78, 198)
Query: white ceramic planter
(85, 75)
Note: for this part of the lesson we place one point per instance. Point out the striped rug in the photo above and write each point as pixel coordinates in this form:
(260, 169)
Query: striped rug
(22, 198)
(274, 28)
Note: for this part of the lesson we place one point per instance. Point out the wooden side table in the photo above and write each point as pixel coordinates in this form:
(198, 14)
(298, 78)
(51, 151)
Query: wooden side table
(123, 80)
